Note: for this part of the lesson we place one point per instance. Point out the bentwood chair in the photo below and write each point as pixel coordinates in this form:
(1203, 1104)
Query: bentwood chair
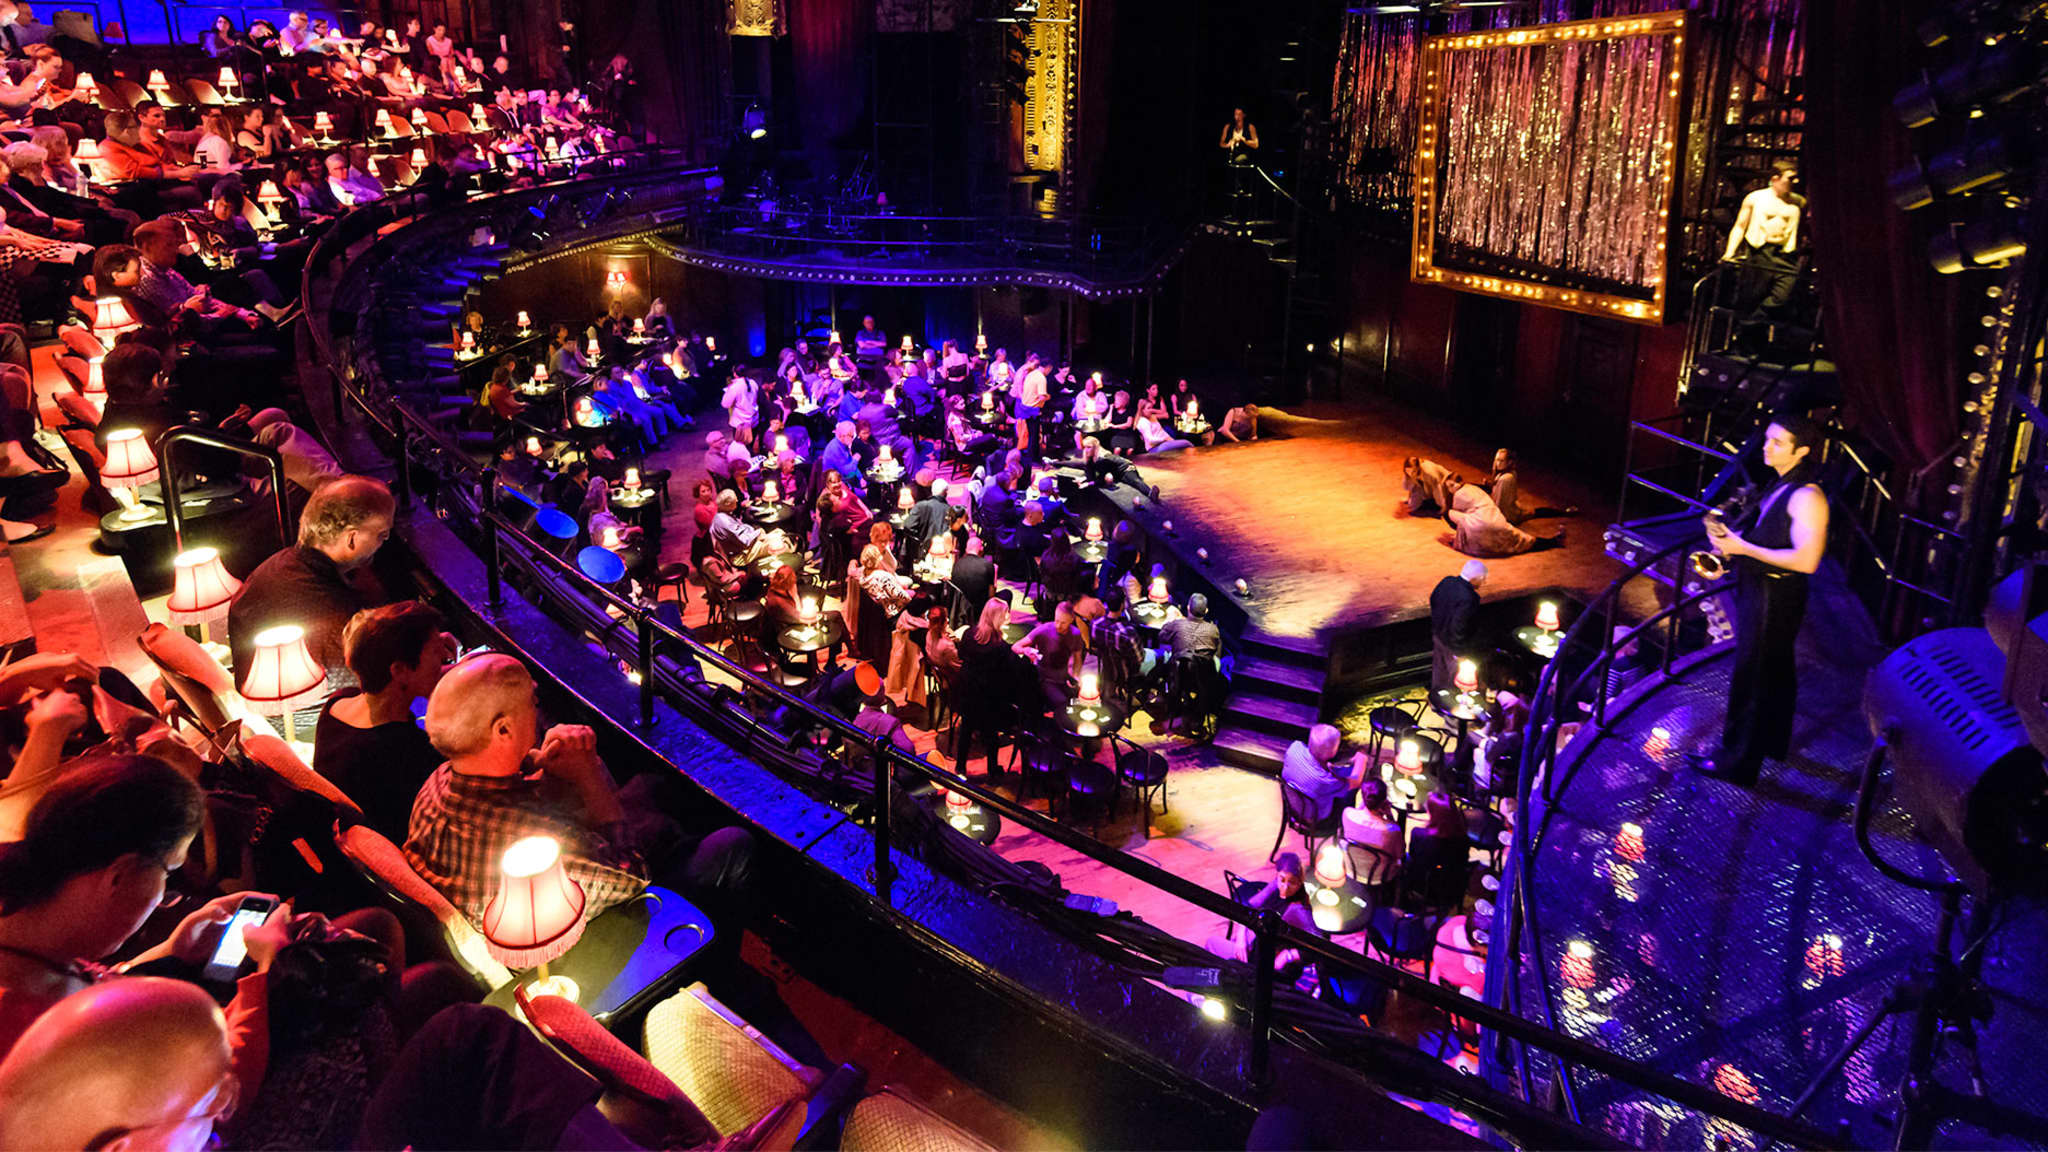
(1144, 771)
(1300, 813)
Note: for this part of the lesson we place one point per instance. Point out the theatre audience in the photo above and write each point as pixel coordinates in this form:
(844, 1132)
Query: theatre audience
(367, 741)
(1307, 767)
(1192, 635)
(1372, 823)
(322, 582)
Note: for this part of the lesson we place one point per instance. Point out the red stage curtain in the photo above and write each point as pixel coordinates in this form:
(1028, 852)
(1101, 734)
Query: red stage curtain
(1890, 318)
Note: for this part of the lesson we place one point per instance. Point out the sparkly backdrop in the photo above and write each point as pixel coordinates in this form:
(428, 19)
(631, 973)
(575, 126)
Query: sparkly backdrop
(1555, 162)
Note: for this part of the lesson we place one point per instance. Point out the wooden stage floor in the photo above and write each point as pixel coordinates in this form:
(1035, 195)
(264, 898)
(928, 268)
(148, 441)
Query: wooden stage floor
(1312, 516)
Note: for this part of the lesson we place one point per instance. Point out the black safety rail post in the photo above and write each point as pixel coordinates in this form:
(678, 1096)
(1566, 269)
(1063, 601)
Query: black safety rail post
(644, 623)
(885, 795)
(494, 596)
(1265, 947)
(404, 486)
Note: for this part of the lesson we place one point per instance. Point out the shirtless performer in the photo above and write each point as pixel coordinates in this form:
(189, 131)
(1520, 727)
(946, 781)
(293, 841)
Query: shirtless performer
(1765, 241)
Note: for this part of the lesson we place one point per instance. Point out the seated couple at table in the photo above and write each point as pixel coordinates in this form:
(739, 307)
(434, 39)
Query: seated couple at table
(739, 542)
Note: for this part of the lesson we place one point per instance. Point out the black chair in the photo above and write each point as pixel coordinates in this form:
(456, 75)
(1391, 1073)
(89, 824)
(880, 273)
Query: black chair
(1145, 771)
(1483, 827)
(1400, 936)
(1388, 721)
(1378, 870)
(1300, 813)
(1354, 993)
(1193, 687)
(1090, 782)
(1043, 763)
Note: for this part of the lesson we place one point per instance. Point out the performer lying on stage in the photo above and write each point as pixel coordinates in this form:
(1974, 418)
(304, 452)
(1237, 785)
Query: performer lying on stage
(1423, 481)
(1101, 464)
(1482, 529)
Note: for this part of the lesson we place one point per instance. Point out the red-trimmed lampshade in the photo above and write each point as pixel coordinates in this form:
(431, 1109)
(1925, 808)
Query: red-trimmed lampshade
(383, 121)
(96, 378)
(419, 116)
(906, 342)
(130, 463)
(85, 87)
(228, 79)
(88, 148)
(323, 123)
(538, 912)
(110, 318)
(1546, 616)
(283, 676)
(156, 79)
(1468, 676)
(201, 587)
(267, 194)
(525, 321)
(418, 159)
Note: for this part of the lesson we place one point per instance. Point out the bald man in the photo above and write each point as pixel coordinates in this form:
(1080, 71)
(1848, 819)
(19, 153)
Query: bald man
(1454, 622)
(134, 1063)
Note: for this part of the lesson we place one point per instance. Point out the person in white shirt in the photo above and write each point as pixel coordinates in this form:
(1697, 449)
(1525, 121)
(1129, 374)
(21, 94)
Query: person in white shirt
(1372, 824)
(1156, 437)
(1028, 395)
(349, 185)
(742, 405)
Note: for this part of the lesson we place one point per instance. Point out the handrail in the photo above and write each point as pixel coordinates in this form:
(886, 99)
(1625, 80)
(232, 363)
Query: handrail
(479, 485)
(174, 511)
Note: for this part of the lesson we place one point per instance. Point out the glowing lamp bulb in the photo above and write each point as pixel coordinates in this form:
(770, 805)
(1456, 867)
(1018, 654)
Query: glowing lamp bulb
(1408, 756)
(1157, 594)
(1094, 531)
(1091, 687)
(639, 326)
(525, 322)
(1202, 554)
(1628, 843)
(1167, 525)
(533, 445)
(1330, 864)
(632, 478)
(1578, 965)
(1468, 676)
(1546, 616)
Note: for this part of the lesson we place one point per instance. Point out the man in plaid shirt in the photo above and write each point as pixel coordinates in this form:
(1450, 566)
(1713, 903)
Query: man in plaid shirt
(494, 790)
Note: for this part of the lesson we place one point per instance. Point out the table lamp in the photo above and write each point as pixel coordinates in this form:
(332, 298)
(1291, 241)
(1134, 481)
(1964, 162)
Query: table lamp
(1408, 755)
(130, 465)
(419, 118)
(711, 343)
(283, 676)
(96, 382)
(903, 498)
(1157, 594)
(537, 914)
(833, 338)
(158, 84)
(469, 343)
(323, 126)
(533, 445)
(87, 91)
(476, 115)
(585, 414)
(639, 326)
(809, 610)
(525, 322)
(1091, 688)
(770, 494)
(988, 400)
(632, 479)
(1193, 409)
(1330, 864)
(1546, 616)
(110, 318)
(85, 156)
(884, 455)
(383, 122)
(461, 80)
(540, 371)
(201, 588)
(270, 198)
(592, 349)
(1467, 681)
(611, 538)
(980, 342)
(782, 441)
(906, 342)
(228, 81)
(418, 160)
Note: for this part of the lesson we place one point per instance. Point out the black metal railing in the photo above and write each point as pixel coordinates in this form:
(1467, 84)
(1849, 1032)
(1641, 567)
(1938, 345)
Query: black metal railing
(668, 661)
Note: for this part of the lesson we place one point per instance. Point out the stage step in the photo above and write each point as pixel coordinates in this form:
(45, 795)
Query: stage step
(1253, 710)
(1273, 678)
(1304, 652)
(1246, 748)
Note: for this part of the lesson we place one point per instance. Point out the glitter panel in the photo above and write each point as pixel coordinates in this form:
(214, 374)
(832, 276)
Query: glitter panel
(1545, 162)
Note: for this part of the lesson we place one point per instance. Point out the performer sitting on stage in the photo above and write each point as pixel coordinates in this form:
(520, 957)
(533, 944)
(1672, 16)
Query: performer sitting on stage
(1423, 481)
(1505, 485)
(1482, 529)
(1780, 544)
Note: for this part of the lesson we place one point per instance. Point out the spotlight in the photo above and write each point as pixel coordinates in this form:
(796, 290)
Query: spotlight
(1993, 238)
(1986, 77)
(754, 122)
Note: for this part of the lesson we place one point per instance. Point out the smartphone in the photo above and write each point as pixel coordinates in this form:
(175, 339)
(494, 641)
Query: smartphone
(225, 965)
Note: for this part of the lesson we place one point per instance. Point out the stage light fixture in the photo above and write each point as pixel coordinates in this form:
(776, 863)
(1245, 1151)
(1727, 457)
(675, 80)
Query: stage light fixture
(754, 122)
(1991, 240)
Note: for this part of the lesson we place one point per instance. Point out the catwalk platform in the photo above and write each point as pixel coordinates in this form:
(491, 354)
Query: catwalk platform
(1311, 517)
(1751, 938)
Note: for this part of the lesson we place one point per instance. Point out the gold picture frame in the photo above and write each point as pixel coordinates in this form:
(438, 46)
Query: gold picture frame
(1434, 85)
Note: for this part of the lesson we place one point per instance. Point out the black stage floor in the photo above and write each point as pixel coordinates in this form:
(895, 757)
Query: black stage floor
(1752, 938)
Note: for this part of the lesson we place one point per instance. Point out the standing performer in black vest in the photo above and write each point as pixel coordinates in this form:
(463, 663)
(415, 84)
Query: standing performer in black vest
(1780, 546)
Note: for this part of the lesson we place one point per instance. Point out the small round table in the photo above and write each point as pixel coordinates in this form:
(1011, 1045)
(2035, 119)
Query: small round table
(1538, 642)
(886, 473)
(988, 420)
(1461, 708)
(1092, 551)
(970, 819)
(767, 565)
(769, 514)
(808, 639)
(1090, 721)
(1198, 428)
(1150, 614)
(1338, 909)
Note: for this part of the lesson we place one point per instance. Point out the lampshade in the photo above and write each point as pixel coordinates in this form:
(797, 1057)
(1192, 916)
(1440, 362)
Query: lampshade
(782, 441)
(904, 498)
(156, 79)
(554, 147)
(1546, 616)
(632, 480)
(88, 148)
(1157, 592)
(201, 587)
(906, 343)
(267, 193)
(883, 455)
(770, 493)
(1330, 864)
(283, 676)
(540, 373)
(538, 912)
(593, 351)
(130, 463)
(468, 341)
(419, 118)
(110, 318)
(525, 321)
(711, 343)
(418, 159)
(1094, 531)
(1468, 676)
(323, 123)
(476, 115)
(639, 326)
(85, 87)
(383, 121)
(227, 78)
(833, 338)
(980, 342)
(533, 445)
(96, 378)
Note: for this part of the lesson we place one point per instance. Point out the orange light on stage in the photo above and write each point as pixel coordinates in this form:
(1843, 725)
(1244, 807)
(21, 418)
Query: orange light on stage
(537, 913)
(1546, 616)
(283, 676)
(201, 588)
